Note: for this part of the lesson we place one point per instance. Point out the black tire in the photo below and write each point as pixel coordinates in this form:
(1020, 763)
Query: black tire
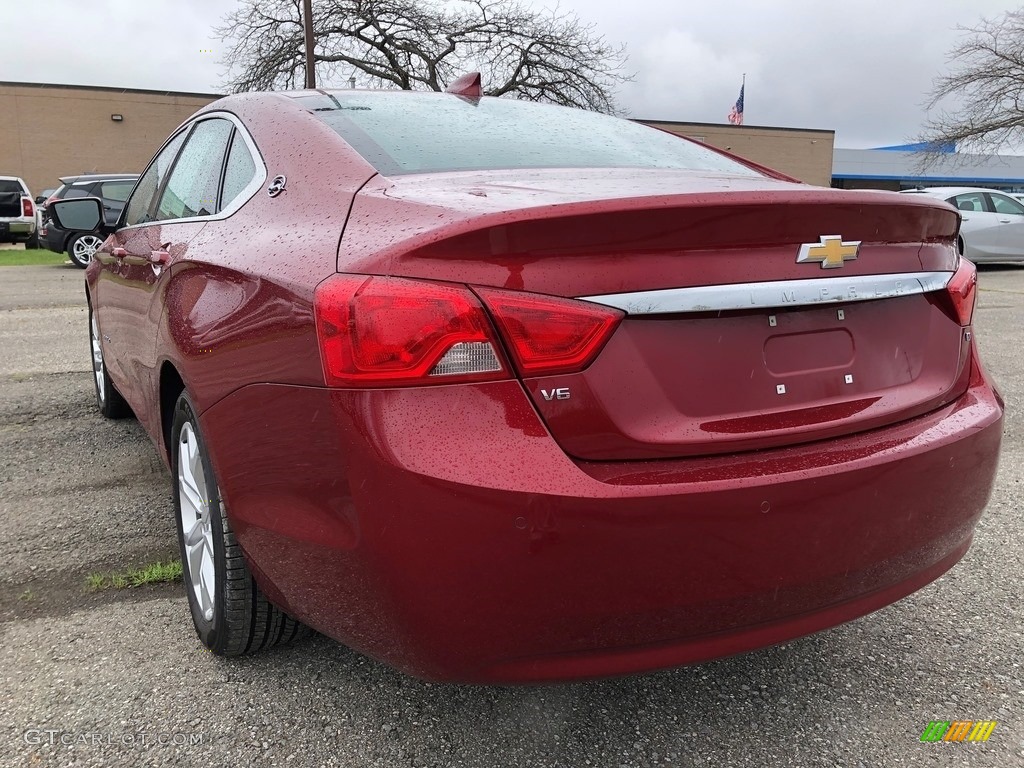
(33, 242)
(240, 620)
(960, 245)
(109, 401)
(76, 246)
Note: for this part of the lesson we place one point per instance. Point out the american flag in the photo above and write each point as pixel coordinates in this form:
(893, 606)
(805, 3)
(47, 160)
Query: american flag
(736, 113)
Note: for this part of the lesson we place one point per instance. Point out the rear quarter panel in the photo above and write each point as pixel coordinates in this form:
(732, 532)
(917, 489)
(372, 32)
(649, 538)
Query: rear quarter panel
(239, 306)
(236, 309)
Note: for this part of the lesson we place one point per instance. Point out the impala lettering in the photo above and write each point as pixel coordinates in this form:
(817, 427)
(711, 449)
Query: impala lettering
(562, 393)
(773, 293)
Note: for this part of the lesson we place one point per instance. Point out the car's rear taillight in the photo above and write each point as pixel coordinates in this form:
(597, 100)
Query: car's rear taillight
(26, 207)
(387, 331)
(962, 290)
(548, 335)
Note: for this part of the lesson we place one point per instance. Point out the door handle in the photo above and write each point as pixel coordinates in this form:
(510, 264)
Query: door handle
(118, 252)
(1004, 221)
(159, 257)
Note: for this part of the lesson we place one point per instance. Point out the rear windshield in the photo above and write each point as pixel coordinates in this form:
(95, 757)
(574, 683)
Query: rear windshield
(9, 185)
(400, 132)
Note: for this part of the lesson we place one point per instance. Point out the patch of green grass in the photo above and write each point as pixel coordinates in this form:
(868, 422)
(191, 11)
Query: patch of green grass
(30, 257)
(154, 573)
(27, 595)
(96, 582)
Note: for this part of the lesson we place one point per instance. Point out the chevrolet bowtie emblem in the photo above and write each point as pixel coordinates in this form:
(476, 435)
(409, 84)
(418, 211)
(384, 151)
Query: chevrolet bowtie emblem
(831, 251)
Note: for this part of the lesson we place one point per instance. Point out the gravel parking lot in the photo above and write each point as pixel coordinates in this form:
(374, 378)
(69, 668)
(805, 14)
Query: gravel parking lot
(118, 678)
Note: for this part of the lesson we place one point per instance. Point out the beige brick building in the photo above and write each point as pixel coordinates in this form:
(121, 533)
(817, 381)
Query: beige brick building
(49, 131)
(803, 153)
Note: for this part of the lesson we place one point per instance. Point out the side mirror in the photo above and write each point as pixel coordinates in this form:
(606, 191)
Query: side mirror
(83, 214)
(40, 199)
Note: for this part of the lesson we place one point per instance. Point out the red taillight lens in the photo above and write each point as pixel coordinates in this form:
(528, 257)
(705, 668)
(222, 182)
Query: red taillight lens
(962, 289)
(548, 335)
(387, 331)
(26, 207)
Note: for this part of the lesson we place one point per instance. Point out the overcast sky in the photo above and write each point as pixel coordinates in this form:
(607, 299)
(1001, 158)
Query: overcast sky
(859, 67)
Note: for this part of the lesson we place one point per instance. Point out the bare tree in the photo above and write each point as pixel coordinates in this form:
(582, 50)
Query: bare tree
(425, 44)
(988, 82)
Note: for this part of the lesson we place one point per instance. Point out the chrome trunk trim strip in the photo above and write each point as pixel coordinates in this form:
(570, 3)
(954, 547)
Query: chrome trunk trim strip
(774, 293)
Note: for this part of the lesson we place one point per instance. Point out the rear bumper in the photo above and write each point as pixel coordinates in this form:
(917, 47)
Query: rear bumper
(21, 229)
(55, 238)
(443, 531)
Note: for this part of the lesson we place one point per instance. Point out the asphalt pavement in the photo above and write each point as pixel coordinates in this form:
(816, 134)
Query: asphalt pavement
(119, 678)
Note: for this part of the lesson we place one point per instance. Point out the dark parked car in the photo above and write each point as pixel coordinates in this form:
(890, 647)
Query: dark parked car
(500, 391)
(41, 200)
(111, 188)
(43, 197)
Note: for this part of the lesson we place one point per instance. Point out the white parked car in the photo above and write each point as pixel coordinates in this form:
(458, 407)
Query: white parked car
(993, 222)
(17, 213)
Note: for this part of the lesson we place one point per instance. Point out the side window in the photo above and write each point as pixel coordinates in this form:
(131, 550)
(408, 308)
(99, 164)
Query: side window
(116, 191)
(141, 203)
(970, 201)
(239, 171)
(1003, 204)
(192, 187)
(74, 192)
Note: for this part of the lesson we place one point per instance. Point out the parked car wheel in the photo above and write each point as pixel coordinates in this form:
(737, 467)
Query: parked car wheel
(81, 249)
(33, 242)
(231, 614)
(108, 399)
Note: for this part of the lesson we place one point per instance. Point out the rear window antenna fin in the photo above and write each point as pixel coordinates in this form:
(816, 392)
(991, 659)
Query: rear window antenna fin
(467, 85)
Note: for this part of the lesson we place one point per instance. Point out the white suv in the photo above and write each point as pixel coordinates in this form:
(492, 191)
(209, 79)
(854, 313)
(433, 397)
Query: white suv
(17, 213)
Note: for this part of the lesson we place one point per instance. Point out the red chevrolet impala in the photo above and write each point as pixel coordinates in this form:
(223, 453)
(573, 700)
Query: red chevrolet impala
(499, 391)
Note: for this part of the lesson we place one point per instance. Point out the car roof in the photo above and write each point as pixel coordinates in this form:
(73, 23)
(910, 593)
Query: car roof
(950, 191)
(86, 177)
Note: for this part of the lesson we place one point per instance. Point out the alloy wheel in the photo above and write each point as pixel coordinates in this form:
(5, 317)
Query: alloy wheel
(97, 359)
(85, 248)
(196, 524)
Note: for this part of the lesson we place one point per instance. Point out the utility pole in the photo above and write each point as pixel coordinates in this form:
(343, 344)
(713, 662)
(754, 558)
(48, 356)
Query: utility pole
(307, 23)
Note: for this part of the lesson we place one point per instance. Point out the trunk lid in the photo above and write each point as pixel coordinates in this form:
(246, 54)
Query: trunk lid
(672, 385)
(760, 313)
